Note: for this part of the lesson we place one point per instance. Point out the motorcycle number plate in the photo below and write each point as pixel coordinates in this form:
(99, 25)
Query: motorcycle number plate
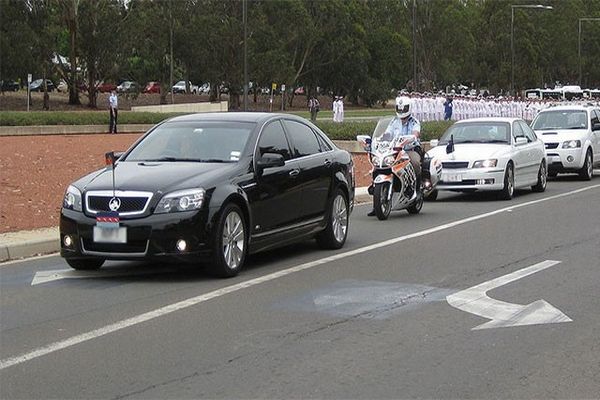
(452, 177)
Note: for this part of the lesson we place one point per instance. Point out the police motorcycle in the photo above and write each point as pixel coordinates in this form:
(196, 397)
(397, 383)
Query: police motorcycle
(396, 185)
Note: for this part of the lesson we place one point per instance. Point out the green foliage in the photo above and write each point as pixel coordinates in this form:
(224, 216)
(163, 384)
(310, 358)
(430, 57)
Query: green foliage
(360, 49)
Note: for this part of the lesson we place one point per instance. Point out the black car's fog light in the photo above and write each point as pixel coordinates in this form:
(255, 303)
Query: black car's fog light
(181, 245)
(68, 241)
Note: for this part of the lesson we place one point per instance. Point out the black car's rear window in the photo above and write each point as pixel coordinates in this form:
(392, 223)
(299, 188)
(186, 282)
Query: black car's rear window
(199, 141)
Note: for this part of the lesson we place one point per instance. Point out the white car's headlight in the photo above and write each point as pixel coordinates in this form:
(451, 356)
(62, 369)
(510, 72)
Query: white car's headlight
(485, 163)
(571, 144)
(72, 199)
(182, 200)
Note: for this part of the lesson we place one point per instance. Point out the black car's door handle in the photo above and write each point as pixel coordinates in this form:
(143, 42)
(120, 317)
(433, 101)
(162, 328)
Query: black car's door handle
(294, 173)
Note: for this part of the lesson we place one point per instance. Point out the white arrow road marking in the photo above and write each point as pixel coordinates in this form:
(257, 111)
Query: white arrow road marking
(475, 301)
(58, 274)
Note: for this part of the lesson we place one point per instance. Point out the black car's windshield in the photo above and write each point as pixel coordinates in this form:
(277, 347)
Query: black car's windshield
(198, 141)
(561, 119)
(478, 132)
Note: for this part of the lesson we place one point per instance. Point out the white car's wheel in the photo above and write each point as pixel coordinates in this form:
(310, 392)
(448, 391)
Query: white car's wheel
(509, 183)
(542, 179)
(587, 171)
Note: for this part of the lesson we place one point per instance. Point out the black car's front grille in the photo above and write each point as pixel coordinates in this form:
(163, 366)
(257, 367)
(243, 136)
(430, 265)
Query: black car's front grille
(125, 203)
(455, 164)
(128, 204)
(551, 145)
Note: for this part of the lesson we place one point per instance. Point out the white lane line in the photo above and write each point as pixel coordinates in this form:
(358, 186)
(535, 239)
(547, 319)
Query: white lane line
(117, 326)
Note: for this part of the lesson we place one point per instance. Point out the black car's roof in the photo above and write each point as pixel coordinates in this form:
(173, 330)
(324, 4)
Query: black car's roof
(257, 117)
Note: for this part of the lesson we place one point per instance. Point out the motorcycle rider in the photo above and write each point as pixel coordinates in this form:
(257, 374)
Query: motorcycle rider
(405, 124)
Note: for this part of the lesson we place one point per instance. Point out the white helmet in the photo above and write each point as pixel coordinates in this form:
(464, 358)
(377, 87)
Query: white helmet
(403, 106)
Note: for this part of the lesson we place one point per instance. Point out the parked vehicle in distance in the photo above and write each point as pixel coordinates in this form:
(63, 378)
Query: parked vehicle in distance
(571, 134)
(9, 86)
(490, 154)
(179, 87)
(62, 86)
(152, 87)
(38, 85)
(204, 88)
(128, 87)
(106, 87)
(211, 188)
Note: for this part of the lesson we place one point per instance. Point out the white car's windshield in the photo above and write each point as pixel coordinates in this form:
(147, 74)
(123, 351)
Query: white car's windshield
(478, 132)
(561, 119)
(194, 141)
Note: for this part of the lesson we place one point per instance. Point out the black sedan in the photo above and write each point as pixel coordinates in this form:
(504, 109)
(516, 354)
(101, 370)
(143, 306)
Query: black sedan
(211, 188)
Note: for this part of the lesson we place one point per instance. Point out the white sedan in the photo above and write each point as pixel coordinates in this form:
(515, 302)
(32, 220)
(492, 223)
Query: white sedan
(490, 154)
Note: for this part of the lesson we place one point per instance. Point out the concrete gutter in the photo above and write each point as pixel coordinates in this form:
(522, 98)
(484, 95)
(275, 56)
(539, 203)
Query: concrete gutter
(24, 244)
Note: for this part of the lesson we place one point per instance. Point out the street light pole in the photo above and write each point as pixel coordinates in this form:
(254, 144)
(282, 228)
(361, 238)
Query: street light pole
(579, 43)
(512, 38)
(414, 23)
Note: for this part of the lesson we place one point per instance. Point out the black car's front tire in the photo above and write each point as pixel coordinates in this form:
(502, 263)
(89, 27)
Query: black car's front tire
(335, 234)
(230, 242)
(85, 264)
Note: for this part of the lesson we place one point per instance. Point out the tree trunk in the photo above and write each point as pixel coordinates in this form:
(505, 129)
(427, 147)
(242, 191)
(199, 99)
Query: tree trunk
(74, 89)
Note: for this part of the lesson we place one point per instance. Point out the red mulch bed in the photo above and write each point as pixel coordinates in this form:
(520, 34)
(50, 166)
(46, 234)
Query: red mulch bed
(36, 170)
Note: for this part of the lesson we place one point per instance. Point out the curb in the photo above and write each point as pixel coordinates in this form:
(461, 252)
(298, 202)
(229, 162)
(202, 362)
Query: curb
(25, 244)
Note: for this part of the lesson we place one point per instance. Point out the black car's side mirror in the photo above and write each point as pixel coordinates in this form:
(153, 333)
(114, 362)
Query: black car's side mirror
(270, 160)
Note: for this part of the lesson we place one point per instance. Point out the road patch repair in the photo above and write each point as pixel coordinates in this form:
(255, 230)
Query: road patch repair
(364, 299)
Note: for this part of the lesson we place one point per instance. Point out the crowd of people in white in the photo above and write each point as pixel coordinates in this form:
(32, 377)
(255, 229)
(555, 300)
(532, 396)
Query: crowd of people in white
(431, 108)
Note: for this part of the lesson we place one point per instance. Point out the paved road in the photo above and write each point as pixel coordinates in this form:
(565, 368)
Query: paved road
(363, 322)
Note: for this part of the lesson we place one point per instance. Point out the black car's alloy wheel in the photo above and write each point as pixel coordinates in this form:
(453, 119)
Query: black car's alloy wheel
(230, 242)
(334, 235)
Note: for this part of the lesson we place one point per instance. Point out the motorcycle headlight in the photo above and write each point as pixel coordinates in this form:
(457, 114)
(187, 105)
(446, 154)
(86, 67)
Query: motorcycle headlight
(389, 160)
(72, 199)
(571, 144)
(182, 200)
(485, 163)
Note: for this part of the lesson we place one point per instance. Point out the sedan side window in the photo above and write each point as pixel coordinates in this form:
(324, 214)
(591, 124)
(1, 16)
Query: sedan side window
(529, 133)
(595, 117)
(517, 131)
(303, 139)
(273, 140)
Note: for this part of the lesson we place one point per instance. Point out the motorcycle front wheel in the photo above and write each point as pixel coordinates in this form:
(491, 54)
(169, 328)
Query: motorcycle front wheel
(382, 200)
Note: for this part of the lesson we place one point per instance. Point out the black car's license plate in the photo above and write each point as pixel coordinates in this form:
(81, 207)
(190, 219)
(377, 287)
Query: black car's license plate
(110, 235)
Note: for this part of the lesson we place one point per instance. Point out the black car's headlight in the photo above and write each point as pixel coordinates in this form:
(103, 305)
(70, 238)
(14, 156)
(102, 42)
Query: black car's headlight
(182, 200)
(72, 199)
